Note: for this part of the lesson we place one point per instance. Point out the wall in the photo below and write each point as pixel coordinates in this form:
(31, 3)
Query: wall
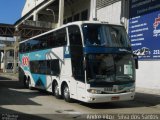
(148, 75)
(1, 56)
(111, 13)
(75, 8)
(1, 60)
(29, 5)
(145, 43)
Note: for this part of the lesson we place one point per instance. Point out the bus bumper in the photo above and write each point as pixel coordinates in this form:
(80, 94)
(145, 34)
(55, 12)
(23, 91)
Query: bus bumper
(101, 98)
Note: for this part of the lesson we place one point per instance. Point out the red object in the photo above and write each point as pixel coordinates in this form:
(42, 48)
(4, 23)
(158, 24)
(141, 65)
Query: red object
(25, 61)
(157, 22)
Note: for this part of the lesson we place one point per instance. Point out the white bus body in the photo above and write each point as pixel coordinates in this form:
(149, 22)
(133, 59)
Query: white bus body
(63, 62)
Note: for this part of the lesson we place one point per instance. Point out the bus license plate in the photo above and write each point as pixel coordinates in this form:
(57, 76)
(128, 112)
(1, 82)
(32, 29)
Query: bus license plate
(115, 98)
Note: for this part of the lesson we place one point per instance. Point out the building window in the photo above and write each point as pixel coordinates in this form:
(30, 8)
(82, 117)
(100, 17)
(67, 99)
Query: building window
(64, 21)
(84, 15)
(76, 17)
(11, 53)
(69, 19)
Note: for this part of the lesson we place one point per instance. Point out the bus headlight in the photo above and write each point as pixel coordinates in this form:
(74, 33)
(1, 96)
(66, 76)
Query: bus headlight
(94, 91)
(131, 90)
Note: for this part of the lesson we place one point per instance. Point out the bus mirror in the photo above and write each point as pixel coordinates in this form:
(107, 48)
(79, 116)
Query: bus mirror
(136, 60)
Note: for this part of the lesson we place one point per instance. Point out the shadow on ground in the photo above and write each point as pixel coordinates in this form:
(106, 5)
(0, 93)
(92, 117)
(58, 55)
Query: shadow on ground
(14, 115)
(13, 93)
(19, 96)
(3, 78)
(6, 114)
(12, 89)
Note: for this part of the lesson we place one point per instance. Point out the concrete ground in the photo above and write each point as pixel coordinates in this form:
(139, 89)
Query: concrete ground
(19, 103)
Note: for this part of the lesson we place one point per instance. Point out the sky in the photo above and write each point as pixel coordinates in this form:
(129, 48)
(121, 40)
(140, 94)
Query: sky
(10, 10)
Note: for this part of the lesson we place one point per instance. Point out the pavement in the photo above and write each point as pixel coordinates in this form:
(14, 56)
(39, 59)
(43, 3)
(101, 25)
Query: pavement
(40, 105)
(13, 76)
(148, 91)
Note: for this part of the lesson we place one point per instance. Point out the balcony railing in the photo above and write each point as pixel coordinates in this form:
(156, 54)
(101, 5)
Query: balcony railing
(40, 24)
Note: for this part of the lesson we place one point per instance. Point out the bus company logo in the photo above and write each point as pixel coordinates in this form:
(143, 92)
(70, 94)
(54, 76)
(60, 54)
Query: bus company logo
(25, 61)
(156, 24)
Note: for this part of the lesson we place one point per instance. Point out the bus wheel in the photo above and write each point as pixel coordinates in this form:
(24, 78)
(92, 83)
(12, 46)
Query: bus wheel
(29, 84)
(21, 76)
(56, 91)
(26, 82)
(66, 94)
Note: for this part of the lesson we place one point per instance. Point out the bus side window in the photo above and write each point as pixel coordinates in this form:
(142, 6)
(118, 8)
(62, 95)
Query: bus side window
(34, 67)
(56, 39)
(27, 46)
(61, 37)
(21, 46)
(75, 36)
(42, 67)
(76, 50)
(42, 43)
(54, 67)
(51, 40)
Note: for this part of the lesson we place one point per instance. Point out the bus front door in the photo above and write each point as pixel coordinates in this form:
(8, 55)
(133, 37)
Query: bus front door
(76, 51)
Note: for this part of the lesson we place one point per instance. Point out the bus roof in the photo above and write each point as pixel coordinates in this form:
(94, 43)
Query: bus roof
(71, 23)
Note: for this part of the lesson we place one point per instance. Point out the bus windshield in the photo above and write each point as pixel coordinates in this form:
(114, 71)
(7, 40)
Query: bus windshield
(105, 35)
(110, 68)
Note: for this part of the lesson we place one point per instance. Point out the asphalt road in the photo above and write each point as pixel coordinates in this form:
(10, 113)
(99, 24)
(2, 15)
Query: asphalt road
(22, 104)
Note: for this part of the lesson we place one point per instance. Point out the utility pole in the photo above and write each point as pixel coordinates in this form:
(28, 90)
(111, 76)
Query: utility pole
(35, 15)
(16, 46)
(93, 10)
(125, 13)
(4, 60)
(61, 13)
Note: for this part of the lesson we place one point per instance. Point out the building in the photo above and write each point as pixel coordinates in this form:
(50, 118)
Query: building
(29, 5)
(142, 21)
(140, 18)
(144, 32)
(1, 60)
(53, 13)
(6, 46)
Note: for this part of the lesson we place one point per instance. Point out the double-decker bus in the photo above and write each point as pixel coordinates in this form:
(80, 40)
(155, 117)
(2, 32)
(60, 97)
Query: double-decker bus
(88, 61)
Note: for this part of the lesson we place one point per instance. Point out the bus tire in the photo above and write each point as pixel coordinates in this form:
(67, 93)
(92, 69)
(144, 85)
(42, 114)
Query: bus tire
(26, 82)
(56, 90)
(66, 93)
(21, 76)
(29, 84)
